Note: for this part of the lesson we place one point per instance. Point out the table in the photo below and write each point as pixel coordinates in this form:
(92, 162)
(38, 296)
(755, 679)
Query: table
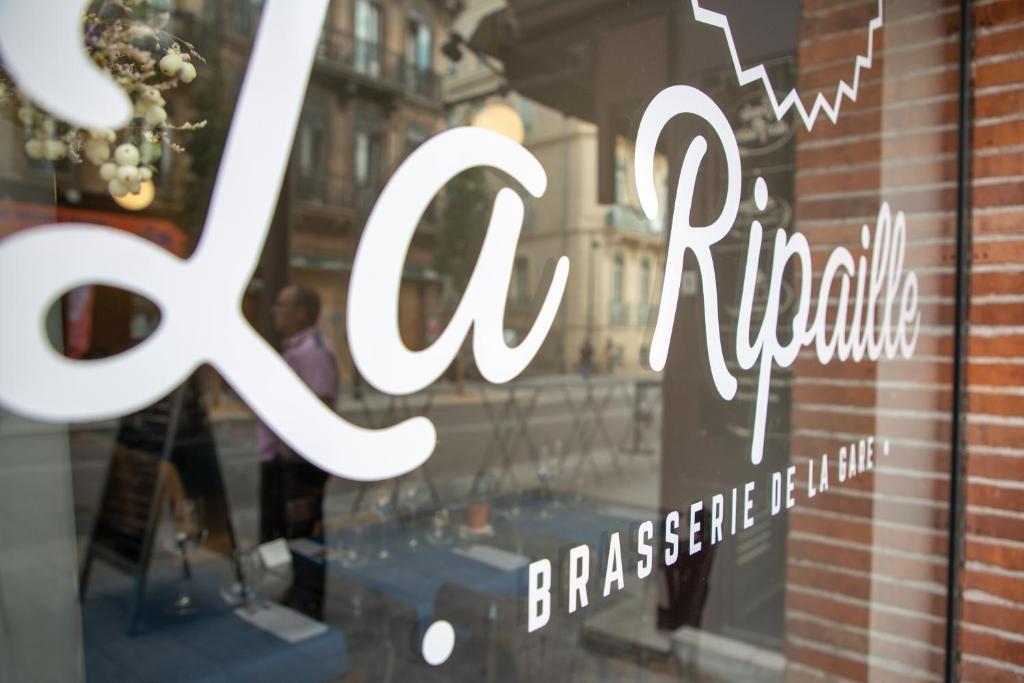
(211, 646)
(415, 575)
(415, 586)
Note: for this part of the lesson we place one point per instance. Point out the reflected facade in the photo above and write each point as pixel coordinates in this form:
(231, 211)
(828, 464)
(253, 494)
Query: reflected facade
(732, 449)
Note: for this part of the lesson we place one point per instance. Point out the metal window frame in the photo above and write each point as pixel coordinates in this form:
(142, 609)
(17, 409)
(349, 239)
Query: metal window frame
(957, 507)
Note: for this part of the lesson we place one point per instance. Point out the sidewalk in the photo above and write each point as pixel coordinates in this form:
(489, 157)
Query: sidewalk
(444, 393)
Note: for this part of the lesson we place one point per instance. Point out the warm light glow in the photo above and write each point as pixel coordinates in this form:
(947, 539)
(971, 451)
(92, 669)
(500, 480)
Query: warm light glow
(140, 200)
(501, 118)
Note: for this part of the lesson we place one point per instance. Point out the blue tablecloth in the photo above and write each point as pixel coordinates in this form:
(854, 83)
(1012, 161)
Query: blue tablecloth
(415, 575)
(210, 646)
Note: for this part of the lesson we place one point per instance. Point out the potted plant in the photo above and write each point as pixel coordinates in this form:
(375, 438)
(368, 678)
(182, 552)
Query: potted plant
(478, 510)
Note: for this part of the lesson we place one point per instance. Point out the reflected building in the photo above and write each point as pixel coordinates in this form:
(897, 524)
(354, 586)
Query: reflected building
(615, 251)
(857, 580)
(374, 96)
(762, 606)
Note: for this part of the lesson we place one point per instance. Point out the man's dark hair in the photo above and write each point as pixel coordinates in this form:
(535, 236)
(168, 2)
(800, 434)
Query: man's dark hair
(308, 300)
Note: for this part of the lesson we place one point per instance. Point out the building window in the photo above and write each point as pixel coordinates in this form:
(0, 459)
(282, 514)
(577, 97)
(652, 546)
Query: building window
(643, 308)
(521, 281)
(419, 73)
(418, 42)
(312, 157)
(620, 178)
(645, 281)
(626, 213)
(619, 311)
(369, 36)
(618, 268)
(367, 164)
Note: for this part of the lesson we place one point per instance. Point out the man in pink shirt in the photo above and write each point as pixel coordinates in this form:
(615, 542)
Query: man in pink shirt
(292, 489)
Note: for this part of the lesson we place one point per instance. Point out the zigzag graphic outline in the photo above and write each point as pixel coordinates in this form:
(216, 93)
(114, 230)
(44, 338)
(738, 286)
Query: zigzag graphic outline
(792, 99)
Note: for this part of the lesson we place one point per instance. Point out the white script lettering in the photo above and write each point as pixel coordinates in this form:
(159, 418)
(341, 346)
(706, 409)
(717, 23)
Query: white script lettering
(200, 297)
(853, 341)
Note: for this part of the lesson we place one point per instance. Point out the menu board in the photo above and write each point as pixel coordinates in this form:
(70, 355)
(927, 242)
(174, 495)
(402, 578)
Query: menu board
(166, 451)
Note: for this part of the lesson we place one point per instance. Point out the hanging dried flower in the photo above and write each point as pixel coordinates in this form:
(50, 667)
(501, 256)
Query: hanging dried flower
(127, 38)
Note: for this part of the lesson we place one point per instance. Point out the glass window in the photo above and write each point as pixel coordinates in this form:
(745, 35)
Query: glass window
(644, 300)
(662, 341)
(618, 268)
(419, 59)
(369, 37)
(367, 157)
(367, 165)
(418, 43)
(312, 156)
(619, 311)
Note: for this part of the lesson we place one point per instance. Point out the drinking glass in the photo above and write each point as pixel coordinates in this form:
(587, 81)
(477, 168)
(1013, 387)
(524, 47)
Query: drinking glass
(411, 501)
(547, 471)
(241, 589)
(382, 499)
(348, 548)
(440, 527)
(189, 533)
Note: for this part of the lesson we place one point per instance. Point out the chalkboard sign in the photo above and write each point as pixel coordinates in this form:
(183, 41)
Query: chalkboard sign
(165, 450)
(132, 487)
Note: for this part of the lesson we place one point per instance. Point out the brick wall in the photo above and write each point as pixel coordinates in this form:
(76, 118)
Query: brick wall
(867, 561)
(865, 589)
(992, 628)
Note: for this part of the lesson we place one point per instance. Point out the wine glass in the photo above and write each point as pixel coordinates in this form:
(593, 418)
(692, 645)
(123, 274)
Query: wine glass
(411, 500)
(383, 504)
(348, 548)
(189, 534)
(581, 482)
(547, 470)
(240, 589)
(512, 504)
(440, 527)
(581, 478)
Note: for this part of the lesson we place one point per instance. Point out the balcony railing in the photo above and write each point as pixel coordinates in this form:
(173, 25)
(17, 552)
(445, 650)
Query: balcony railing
(317, 186)
(624, 217)
(340, 195)
(378, 65)
(320, 186)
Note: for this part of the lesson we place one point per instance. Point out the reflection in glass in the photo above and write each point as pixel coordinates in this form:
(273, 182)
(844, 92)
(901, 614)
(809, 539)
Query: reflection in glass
(189, 532)
(589, 444)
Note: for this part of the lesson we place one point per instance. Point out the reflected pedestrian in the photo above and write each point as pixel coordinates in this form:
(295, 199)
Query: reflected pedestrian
(291, 488)
(586, 358)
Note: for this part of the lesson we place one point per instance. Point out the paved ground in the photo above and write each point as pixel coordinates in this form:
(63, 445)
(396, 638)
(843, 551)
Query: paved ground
(515, 437)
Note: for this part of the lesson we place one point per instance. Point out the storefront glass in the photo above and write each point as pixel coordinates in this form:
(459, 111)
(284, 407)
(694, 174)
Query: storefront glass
(487, 340)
